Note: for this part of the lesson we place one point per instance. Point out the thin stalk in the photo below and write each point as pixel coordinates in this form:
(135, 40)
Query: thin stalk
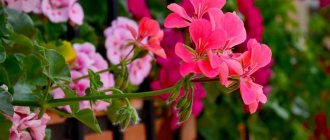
(66, 101)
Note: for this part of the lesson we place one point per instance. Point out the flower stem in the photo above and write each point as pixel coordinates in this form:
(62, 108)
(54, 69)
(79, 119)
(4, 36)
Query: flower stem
(66, 101)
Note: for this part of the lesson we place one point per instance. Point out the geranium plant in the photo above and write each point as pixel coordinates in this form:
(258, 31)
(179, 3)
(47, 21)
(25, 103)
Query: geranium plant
(39, 74)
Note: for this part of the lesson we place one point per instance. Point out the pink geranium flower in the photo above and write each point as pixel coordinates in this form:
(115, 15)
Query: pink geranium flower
(118, 36)
(180, 18)
(22, 5)
(149, 29)
(235, 32)
(205, 39)
(118, 46)
(87, 58)
(63, 10)
(26, 125)
(257, 56)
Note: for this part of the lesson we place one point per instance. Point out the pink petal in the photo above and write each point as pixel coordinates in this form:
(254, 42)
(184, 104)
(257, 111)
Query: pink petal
(29, 5)
(235, 29)
(181, 51)
(187, 68)
(199, 33)
(247, 93)
(148, 27)
(206, 5)
(234, 65)
(253, 107)
(215, 60)
(173, 20)
(207, 70)
(223, 74)
(217, 39)
(260, 55)
(177, 9)
(76, 14)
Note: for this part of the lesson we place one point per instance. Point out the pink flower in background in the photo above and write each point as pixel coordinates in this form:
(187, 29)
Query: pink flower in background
(87, 58)
(63, 10)
(181, 18)
(26, 125)
(324, 3)
(149, 30)
(23, 5)
(170, 66)
(253, 19)
(139, 69)
(138, 8)
(118, 36)
(257, 56)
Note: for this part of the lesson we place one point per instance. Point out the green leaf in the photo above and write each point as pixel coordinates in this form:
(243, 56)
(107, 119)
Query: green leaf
(24, 91)
(4, 127)
(2, 54)
(95, 80)
(5, 102)
(87, 117)
(4, 79)
(13, 69)
(57, 68)
(48, 134)
(33, 68)
(21, 22)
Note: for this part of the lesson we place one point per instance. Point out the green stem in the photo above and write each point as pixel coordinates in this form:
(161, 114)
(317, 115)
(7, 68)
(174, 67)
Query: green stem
(66, 101)
(26, 103)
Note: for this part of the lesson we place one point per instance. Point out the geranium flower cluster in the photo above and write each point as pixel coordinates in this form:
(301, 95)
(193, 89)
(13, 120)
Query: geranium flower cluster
(214, 34)
(121, 37)
(56, 10)
(87, 58)
(26, 125)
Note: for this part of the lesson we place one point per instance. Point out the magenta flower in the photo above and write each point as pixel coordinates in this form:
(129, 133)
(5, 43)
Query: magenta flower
(257, 56)
(63, 10)
(195, 61)
(149, 30)
(26, 125)
(87, 58)
(180, 18)
(138, 8)
(324, 3)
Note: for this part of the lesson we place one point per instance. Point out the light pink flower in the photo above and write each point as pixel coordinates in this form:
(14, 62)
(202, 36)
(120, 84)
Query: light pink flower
(26, 125)
(23, 5)
(180, 18)
(117, 38)
(87, 58)
(63, 10)
(139, 69)
(257, 56)
(149, 30)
